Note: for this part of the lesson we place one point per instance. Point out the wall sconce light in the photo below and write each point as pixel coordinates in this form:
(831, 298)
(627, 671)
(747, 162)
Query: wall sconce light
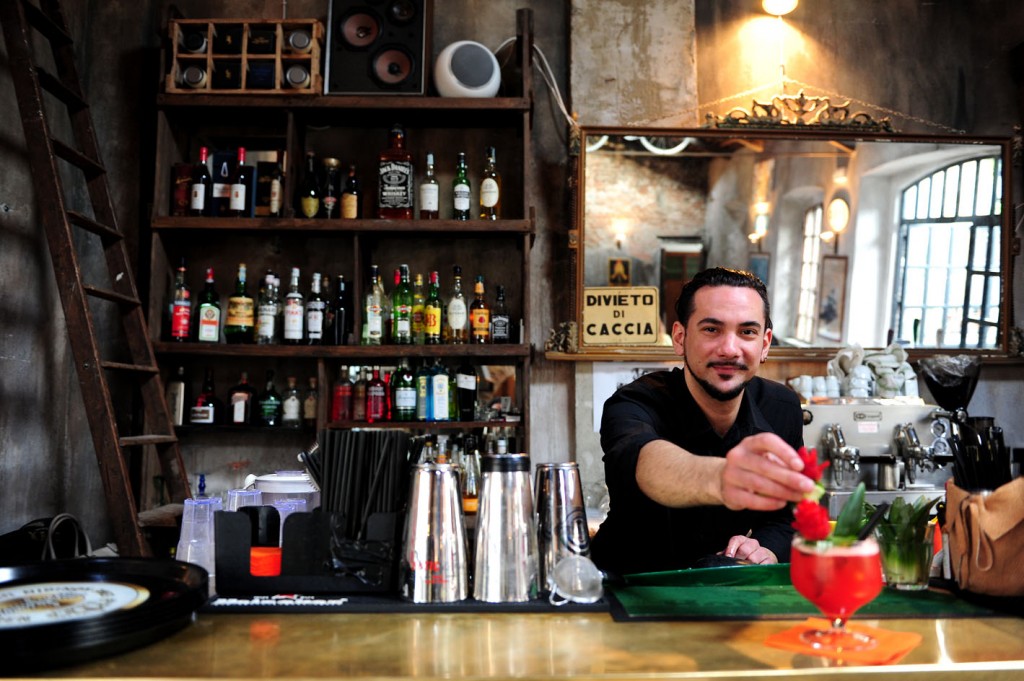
(620, 226)
(779, 7)
(838, 214)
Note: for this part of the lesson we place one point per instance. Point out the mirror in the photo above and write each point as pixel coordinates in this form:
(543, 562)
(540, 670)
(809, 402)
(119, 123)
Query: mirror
(861, 238)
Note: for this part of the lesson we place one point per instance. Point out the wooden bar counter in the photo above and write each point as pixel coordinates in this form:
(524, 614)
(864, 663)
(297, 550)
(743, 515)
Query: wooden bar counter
(537, 646)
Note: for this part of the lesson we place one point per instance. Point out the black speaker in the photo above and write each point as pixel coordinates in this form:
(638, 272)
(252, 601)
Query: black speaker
(377, 47)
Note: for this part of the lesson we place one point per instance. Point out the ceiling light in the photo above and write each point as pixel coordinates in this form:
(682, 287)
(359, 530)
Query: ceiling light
(779, 7)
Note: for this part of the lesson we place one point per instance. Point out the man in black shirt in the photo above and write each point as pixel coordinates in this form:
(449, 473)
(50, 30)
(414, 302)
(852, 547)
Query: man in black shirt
(702, 460)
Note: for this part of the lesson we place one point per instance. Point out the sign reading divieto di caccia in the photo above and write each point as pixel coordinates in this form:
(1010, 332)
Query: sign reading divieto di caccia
(620, 315)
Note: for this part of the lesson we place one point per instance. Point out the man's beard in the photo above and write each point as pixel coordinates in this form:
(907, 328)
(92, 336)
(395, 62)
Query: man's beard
(716, 393)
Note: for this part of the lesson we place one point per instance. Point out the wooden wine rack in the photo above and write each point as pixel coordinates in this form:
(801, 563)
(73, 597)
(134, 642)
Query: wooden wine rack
(252, 63)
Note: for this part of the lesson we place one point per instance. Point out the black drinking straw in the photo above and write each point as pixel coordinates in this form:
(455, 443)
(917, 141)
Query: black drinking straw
(873, 520)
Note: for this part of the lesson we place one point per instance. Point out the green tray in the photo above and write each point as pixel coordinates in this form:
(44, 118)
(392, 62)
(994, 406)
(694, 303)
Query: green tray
(760, 592)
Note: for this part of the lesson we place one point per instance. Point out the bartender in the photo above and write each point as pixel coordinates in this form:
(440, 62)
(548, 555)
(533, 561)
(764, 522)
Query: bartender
(701, 461)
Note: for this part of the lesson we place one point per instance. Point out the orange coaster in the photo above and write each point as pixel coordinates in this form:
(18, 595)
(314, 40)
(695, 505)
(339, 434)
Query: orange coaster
(892, 645)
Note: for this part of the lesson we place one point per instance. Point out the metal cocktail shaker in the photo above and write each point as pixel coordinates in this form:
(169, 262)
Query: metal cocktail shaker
(506, 539)
(561, 516)
(434, 566)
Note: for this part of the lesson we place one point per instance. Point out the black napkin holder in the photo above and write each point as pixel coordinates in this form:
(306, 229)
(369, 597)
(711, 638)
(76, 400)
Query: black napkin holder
(315, 558)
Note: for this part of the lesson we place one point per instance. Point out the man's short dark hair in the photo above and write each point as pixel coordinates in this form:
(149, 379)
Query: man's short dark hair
(721, 276)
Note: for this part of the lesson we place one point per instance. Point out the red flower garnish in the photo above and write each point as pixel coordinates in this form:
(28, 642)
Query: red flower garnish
(812, 469)
(810, 519)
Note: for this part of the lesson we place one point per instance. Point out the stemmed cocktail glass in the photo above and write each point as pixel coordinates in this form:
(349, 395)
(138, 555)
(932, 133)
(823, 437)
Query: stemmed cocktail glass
(838, 579)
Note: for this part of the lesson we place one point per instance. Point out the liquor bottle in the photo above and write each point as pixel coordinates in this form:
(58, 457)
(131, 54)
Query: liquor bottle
(270, 403)
(341, 397)
(277, 191)
(241, 402)
(465, 391)
(239, 205)
(294, 311)
(403, 392)
(330, 190)
(460, 190)
(310, 402)
(359, 396)
(181, 308)
(238, 327)
(266, 311)
(201, 196)
(430, 193)
(374, 308)
(401, 309)
(395, 177)
(422, 380)
(316, 308)
(418, 316)
(470, 484)
(458, 319)
(479, 314)
(309, 191)
(432, 307)
(490, 189)
(208, 326)
(177, 397)
(207, 409)
(501, 322)
(439, 392)
(340, 320)
(351, 196)
(291, 405)
(376, 397)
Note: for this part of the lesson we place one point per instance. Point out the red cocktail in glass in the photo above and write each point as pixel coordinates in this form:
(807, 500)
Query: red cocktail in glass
(838, 580)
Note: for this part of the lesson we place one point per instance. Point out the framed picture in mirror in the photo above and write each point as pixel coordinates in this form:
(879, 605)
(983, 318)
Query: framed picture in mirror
(832, 297)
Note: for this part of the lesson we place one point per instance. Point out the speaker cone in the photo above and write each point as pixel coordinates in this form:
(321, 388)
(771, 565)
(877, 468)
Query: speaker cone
(402, 11)
(392, 66)
(359, 30)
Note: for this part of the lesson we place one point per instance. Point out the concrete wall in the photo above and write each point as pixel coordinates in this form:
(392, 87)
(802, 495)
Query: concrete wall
(47, 464)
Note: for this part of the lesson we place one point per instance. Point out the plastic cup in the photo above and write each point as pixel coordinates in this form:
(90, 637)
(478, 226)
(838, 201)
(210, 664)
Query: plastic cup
(196, 543)
(237, 498)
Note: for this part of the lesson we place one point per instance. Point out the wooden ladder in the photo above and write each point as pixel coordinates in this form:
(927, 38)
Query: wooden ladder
(67, 231)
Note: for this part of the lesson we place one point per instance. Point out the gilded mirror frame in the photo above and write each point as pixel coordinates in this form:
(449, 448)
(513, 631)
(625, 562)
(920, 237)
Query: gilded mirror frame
(567, 342)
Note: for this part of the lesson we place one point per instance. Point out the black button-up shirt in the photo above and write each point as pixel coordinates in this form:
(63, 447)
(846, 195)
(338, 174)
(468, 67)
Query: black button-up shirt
(641, 535)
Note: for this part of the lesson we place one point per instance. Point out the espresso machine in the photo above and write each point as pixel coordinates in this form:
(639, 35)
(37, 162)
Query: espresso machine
(897, 447)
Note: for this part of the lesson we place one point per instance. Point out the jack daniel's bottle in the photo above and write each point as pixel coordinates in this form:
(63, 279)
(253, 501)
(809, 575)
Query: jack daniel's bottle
(395, 179)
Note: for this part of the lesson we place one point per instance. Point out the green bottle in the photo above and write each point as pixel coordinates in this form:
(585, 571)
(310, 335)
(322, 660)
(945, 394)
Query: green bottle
(270, 403)
(401, 309)
(241, 319)
(461, 190)
(432, 312)
(403, 392)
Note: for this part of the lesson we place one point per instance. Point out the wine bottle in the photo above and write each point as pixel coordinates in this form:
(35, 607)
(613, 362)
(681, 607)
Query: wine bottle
(310, 403)
(330, 190)
(340, 319)
(490, 188)
(240, 180)
(395, 178)
(352, 196)
(423, 392)
(238, 328)
(309, 191)
(460, 190)
(177, 397)
(316, 308)
(466, 391)
(403, 392)
(208, 327)
(201, 197)
(429, 193)
(181, 308)
(277, 191)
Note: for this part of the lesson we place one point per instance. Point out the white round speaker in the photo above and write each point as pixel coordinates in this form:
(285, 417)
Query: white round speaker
(466, 69)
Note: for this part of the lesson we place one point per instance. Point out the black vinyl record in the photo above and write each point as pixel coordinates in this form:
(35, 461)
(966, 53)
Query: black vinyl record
(65, 612)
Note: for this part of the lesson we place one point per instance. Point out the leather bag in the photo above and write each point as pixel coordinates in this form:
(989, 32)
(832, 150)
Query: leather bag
(986, 538)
